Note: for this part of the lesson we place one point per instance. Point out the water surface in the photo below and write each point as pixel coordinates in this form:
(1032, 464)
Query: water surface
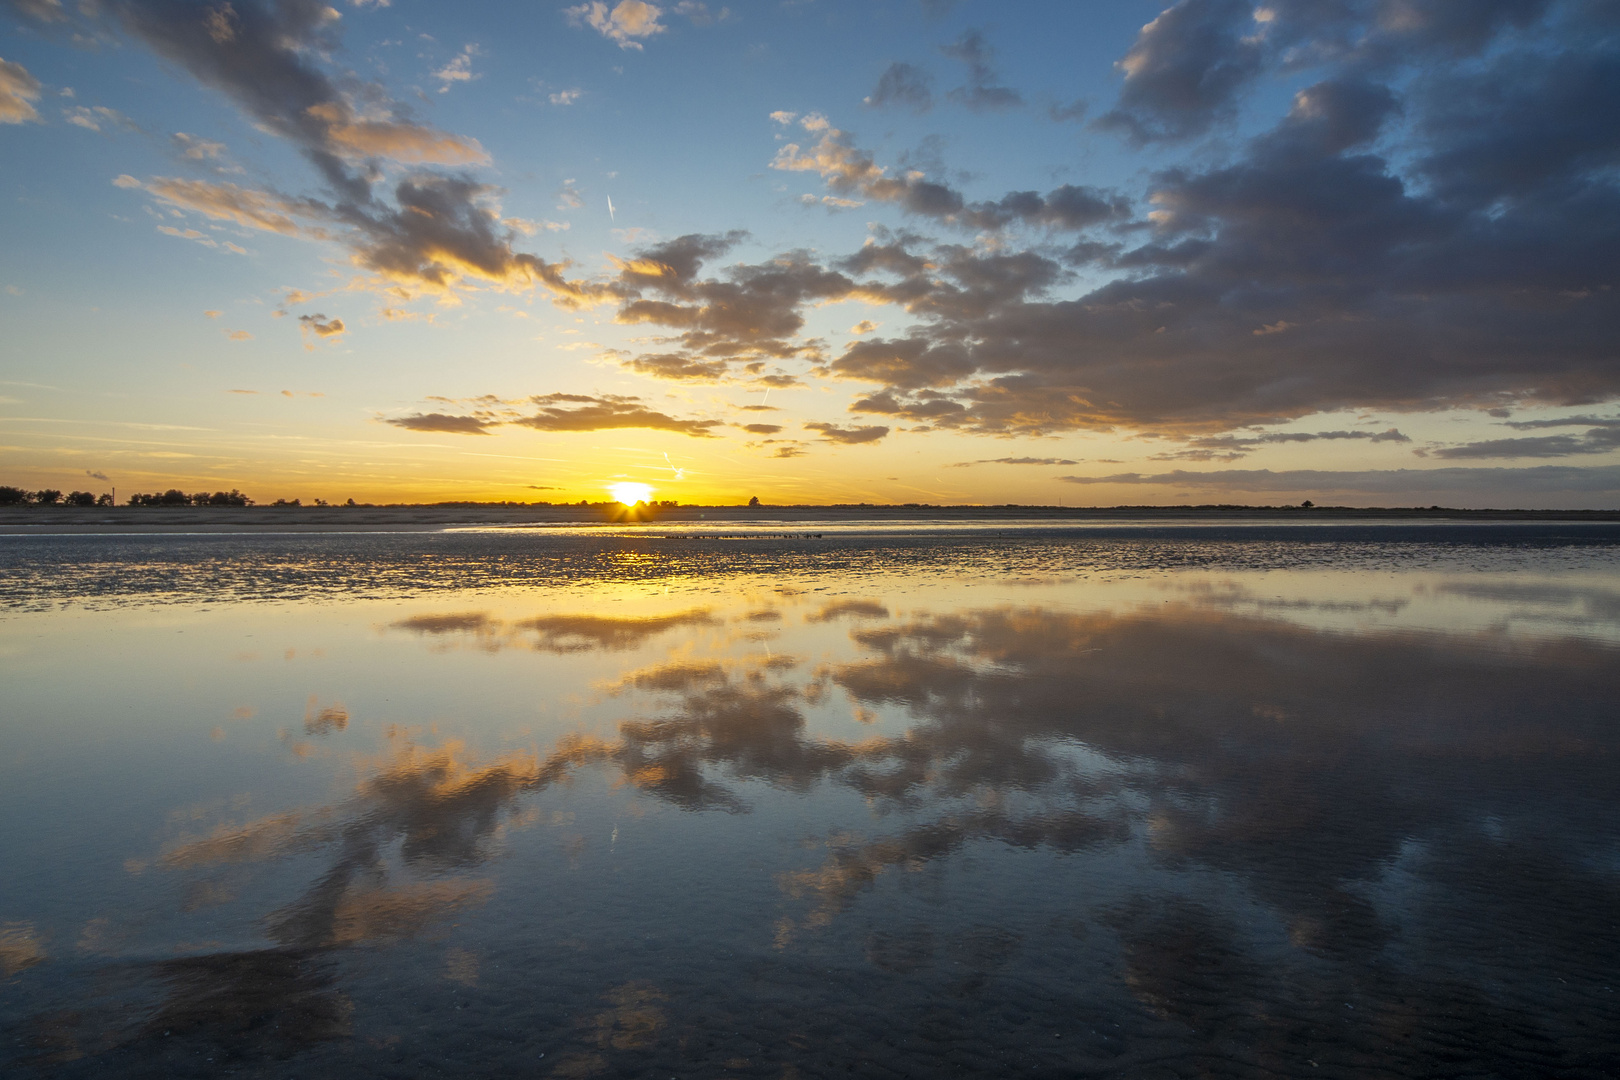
(902, 802)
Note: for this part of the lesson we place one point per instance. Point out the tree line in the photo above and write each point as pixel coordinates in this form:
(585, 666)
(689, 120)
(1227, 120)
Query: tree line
(15, 496)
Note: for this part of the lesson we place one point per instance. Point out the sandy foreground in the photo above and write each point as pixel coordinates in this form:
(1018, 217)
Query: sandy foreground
(40, 520)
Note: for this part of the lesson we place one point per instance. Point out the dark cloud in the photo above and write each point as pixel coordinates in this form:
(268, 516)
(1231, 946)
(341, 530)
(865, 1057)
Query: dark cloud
(749, 312)
(1189, 67)
(1529, 484)
(1185, 70)
(980, 93)
(578, 412)
(1307, 274)
(1232, 447)
(904, 85)
(1596, 440)
(439, 232)
(762, 429)
(1066, 207)
(556, 412)
(849, 170)
(443, 422)
(847, 435)
(677, 367)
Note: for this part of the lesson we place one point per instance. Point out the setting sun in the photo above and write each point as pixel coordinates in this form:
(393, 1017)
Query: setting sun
(630, 494)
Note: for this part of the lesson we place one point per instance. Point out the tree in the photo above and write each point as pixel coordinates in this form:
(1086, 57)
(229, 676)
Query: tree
(104, 499)
(47, 496)
(754, 501)
(1306, 505)
(80, 498)
(13, 496)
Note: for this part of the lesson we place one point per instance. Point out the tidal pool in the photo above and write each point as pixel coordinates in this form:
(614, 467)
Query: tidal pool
(894, 803)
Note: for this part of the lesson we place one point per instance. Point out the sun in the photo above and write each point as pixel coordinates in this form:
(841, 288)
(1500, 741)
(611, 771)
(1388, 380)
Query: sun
(630, 494)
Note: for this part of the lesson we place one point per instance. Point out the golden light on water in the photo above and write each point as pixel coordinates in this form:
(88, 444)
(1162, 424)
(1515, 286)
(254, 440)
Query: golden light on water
(630, 494)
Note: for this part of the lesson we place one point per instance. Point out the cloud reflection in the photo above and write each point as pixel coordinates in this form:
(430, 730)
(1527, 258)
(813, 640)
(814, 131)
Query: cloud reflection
(1324, 778)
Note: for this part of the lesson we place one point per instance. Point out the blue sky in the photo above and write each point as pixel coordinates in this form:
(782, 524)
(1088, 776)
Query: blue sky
(1359, 251)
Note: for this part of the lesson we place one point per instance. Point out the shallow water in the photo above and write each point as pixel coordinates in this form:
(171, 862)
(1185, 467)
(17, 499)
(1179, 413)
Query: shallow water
(1146, 802)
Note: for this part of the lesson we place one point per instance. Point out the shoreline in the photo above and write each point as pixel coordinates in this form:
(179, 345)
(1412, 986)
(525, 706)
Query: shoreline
(142, 520)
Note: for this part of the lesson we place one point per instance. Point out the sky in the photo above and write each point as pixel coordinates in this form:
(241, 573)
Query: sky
(1363, 252)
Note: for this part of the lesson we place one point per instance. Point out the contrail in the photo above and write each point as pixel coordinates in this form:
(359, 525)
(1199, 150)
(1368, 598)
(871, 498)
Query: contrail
(679, 473)
(610, 211)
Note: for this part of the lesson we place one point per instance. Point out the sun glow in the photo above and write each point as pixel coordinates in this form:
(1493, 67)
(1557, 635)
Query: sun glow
(630, 494)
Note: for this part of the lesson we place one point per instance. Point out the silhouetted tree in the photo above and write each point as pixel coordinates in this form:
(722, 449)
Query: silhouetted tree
(754, 501)
(47, 496)
(12, 496)
(104, 499)
(80, 498)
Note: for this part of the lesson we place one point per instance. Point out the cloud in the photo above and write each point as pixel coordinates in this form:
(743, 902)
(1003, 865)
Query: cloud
(261, 210)
(753, 311)
(1074, 112)
(761, 429)
(239, 335)
(699, 13)
(188, 234)
(847, 435)
(565, 97)
(677, 367)
(442, 423)
(1476, 482)
(196, 148)
(46, 11)
(1601, 438)
(1185, 70)
(578, 412)
(103, 477)
(1457, 283)
(18, 91)
(457, 70)
(901, 84)
(92, 118)
(980, 92)
(624, 23)
(357, 138)
(1012, 461)
(321, 326)
(432, 233)
(1232, 447)
(849, 170)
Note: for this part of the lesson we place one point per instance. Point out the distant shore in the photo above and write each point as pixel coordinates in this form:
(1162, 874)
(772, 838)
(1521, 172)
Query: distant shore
(34, 520)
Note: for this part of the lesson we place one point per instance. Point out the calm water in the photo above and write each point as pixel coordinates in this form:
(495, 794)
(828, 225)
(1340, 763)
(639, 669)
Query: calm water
(1135, 801)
